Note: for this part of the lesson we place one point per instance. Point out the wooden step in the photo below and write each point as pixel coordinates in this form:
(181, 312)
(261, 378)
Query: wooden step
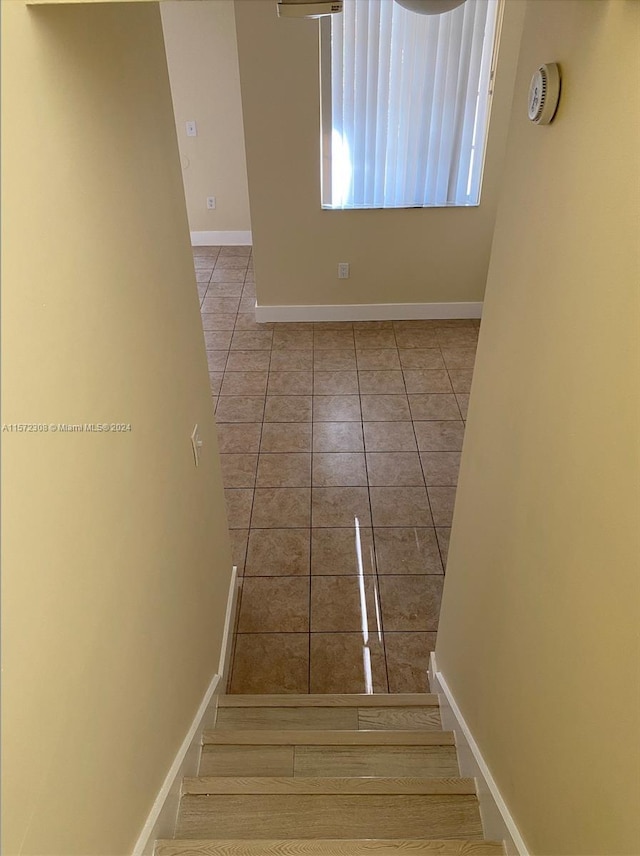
(326, 785)
(331, 700)
(329, 847)
(334, 718)
(368, 760)
(240, 737)
(314, 816)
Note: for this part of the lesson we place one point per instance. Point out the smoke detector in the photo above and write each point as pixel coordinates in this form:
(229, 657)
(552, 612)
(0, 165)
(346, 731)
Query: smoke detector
(544, 94)
(308, 8)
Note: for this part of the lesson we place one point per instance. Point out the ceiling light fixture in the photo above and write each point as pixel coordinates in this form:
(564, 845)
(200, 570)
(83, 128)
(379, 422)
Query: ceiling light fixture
(430, 7)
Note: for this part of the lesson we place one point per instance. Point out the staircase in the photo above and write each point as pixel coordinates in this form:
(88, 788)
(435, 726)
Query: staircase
(328, 775)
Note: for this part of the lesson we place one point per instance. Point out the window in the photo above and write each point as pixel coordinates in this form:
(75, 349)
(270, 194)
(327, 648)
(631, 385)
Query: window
(405, 104)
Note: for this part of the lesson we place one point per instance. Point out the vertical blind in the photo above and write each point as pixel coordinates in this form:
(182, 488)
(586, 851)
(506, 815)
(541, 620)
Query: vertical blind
(405, 104)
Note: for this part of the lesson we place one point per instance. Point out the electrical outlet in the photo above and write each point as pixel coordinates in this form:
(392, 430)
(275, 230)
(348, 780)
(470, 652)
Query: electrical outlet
(211, 203)
(343, 270)
(192, 128)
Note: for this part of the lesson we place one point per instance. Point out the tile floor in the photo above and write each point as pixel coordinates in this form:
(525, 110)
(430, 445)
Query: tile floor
(340, 447)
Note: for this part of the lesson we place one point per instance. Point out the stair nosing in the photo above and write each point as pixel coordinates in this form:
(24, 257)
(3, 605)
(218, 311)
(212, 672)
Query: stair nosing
(324, 737)
(356, 785)
(331, 700)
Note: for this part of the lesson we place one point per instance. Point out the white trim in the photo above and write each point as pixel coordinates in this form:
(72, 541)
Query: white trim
(369, 312)
(221, 239)
(497, 820)
(161, 821)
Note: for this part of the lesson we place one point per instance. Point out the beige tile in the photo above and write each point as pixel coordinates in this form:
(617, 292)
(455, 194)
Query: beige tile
(247, 321)
(442, 501)
(274, 605)
(291, 361)
(290, 383)
(248, 361)
(407, 551)
(376, 339)
(239, 437)
(385, 408)
(239, 538)
(281, 508)
(333, 325)
(440, 468)
(288, 408)
(394, 468)
(400, 506)
(247, 304)
(217, 340)
(437, 406)
(416, 338)
(373, 359)
(443, 533)
(243, 250)
(336, 469)
(461, 380)
(340, 663)
(244, 383)
(227, 262)
(287, 326)
(272, 663)
(252, 340)
(459, 358)
(427, 380)
(227, 275)
(203, 275)
(238, 470)
(337, 604)
(373, 325)
(463, 403)
(340, 506)
(225, 289)
(342, 551)
(237, 408)
(292, 339)
(336, 408)
(343, 360)
(238, 502)
(286, 437)
(410, 602)
(332, 339)
(389, 437)
(422, 358)
(335, 383)
(221, 305)
(439, 436)
(218, 321)
(378, 382)
(215, 382)
(217, 360)
(458, 337)
(278, 552)
(337, 437)
(286, 470)
(408, 661)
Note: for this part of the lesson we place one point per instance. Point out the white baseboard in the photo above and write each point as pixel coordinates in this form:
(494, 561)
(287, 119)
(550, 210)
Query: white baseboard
(497, 820)
(369, 312)
(221, 239)
(161, 821)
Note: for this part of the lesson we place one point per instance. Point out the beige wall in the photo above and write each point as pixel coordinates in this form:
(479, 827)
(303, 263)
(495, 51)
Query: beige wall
(396, 256)
(539, 628)
(115, 555)
(202, 56)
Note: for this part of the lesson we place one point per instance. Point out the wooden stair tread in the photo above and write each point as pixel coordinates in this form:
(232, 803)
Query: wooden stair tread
(331, 700)
(328, 847)
(326, 785)
(328, 738)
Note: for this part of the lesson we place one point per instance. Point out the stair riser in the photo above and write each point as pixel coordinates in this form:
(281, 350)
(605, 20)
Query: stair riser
(309, 817)
(403, 761)
(366, 718)
(325, 847)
